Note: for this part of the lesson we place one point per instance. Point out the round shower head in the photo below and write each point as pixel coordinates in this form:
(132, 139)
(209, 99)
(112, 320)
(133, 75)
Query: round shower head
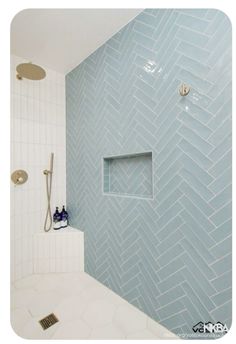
(30, 71)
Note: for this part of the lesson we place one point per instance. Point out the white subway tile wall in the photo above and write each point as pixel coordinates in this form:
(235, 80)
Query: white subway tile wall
(37, 129)
(59, 251)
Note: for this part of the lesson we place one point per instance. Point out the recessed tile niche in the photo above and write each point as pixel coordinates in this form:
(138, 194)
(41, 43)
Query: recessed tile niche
(128, 175)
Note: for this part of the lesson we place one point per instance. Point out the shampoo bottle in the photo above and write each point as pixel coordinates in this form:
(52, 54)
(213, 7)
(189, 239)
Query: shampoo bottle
(64, 218)
(56, 219)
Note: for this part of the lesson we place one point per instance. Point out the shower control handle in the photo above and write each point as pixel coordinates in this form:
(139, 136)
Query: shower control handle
(19, 177)
(184, 90)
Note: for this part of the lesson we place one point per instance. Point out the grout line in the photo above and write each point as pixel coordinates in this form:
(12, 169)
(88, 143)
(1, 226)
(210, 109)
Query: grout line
(222, 156)
(206, 217)
(206, 277)
(182, 11)
(219, 259)
(218, 307)
(172, 260)
(201, 33)
(182, 268)
(178, 313)
(218, 227)
(167, 304)
(219, 292)
(219, 193)
(220, 242)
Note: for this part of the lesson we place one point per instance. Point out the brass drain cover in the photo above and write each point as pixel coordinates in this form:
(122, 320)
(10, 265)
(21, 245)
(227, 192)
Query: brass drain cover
(48, 321)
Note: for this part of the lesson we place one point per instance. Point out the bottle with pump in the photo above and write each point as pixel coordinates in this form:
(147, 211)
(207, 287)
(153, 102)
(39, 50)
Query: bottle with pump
(56, 219)
(64, 218)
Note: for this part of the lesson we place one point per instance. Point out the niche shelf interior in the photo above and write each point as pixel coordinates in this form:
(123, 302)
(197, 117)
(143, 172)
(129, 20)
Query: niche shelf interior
(128, 175)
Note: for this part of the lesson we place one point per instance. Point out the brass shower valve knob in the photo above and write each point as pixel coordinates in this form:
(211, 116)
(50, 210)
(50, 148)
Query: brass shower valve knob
(19, 177)
(184, 90)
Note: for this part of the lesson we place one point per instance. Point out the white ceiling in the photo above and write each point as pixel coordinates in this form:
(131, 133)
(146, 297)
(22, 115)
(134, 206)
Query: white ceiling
(62, 38)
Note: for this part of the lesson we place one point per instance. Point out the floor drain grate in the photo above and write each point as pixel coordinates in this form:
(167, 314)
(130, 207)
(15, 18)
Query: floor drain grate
(48, 321)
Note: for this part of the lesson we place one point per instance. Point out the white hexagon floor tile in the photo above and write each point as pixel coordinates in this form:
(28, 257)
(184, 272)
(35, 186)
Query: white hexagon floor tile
(76, 329)
(93, 292)
(129, 319)
(19, 318)
(143, 334)
(70, 308)
(159, 331)
(68, 282)
(108, 331)
(43, 303)
(115, 299)
(28, 282)
(20, 298)
(49, 282)
(99, 312)
(85, 308)
(33, 330)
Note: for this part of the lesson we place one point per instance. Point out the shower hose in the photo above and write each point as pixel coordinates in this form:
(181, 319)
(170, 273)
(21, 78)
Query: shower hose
(48, 218)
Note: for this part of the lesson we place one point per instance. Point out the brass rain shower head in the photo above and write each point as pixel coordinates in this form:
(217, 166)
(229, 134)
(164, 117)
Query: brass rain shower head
(30, 71)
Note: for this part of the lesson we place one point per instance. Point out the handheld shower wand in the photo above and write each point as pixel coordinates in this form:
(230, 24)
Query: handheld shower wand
(48, 174)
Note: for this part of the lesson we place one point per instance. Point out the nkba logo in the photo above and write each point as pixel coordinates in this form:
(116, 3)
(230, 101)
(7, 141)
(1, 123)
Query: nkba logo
(210, 327)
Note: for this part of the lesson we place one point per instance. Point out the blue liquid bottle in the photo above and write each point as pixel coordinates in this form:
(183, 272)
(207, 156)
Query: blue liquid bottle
(56, 220)
(64, 218)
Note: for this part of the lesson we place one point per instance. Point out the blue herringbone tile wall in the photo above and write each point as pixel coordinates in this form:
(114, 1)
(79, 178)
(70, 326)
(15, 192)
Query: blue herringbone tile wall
(170, 256)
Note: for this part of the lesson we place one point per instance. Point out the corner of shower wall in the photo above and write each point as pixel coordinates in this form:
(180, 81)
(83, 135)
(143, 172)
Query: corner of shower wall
(37, 129)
